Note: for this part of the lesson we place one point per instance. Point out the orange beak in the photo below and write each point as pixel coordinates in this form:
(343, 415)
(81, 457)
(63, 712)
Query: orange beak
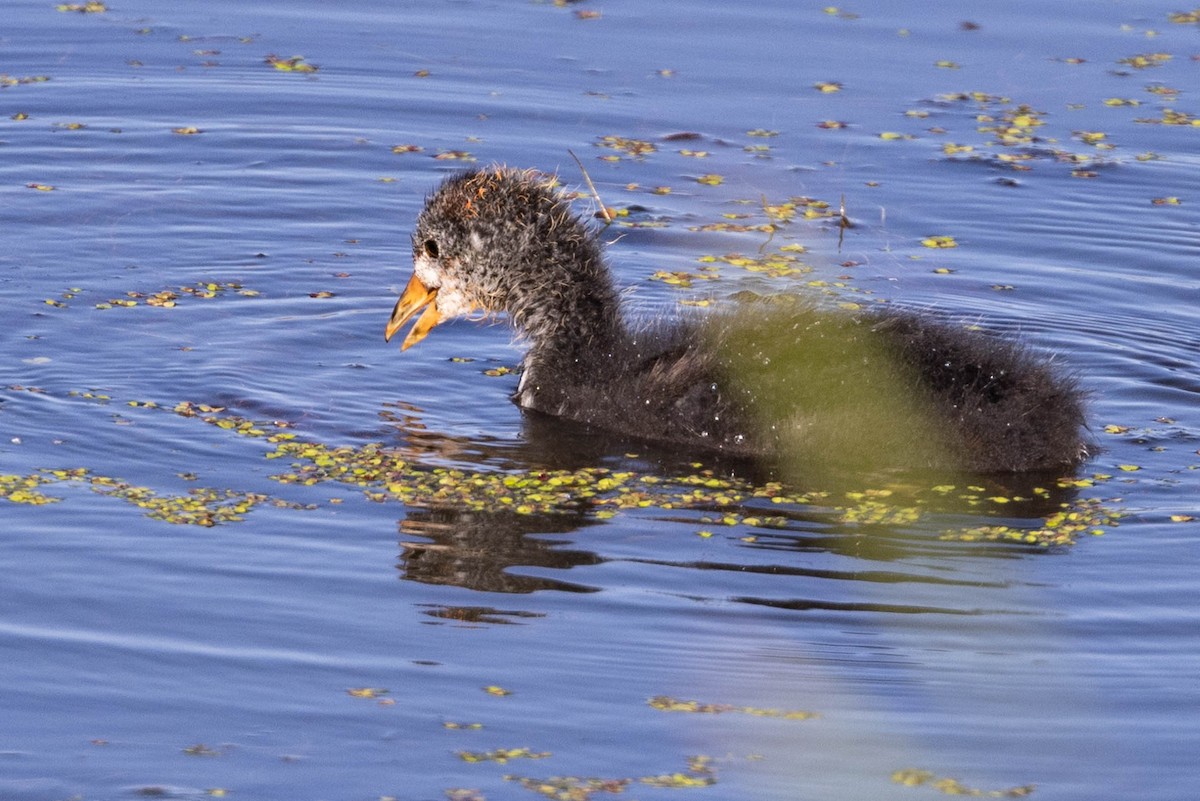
(416, 296)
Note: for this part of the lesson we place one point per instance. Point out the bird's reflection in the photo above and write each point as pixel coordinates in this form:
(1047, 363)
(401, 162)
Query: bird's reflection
(500, 550)
(477, 550)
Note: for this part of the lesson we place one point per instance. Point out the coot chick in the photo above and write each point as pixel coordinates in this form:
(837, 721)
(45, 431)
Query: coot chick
(781, 381)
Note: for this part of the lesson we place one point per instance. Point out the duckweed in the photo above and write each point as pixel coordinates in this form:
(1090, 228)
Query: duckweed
(665, 703)
(200, 506)
(1145, 60)
(1017, 135)
(92, 7)
(637, 148)
(571, 788)
(1171, 117)
(879, 513)
(699, 773)
(685, 280)
(678, 780)
(916, 778)
(1088, 516)
(780, 264)
(25, 489)
(385, 474)
(501, 755)
(201, 750)
(163, 298)
(293, 64)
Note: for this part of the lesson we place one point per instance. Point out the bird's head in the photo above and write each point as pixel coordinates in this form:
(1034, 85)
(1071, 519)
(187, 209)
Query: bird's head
(489, 241)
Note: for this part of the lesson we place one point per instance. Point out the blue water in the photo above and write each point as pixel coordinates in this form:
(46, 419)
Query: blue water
(142, 657)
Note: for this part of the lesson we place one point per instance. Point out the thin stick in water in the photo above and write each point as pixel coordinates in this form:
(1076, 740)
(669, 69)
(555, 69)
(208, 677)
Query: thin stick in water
(587, 178)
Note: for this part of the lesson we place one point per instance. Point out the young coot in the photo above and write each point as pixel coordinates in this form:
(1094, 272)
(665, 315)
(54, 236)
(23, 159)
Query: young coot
(777, 380)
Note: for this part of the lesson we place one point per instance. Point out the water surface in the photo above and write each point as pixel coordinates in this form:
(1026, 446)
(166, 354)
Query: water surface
(154, 646)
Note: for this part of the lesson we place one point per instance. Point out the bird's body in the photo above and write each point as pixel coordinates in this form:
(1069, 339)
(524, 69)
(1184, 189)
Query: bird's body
(780, 381)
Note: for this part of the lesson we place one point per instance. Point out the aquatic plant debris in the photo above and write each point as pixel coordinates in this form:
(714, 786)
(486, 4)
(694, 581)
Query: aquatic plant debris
(683, 279)
(1018, 134)
(1171, 117)
(1085, 517)
(776, 215)
(699, 773)
(199, 506)
(1145, 60)
(92, 7)
(292, 64)
(385, 474)
(571, 788)
(7, 80)
(201, 750)
(917, 778)
(163, 298)
(453, 794)
(501, 755)
(26, 489)
(667, 704)
(636, 148)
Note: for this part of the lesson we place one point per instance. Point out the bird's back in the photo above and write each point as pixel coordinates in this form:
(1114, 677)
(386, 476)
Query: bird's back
(814, 388)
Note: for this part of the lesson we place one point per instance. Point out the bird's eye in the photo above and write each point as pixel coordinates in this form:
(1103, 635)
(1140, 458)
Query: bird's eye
(431, 248)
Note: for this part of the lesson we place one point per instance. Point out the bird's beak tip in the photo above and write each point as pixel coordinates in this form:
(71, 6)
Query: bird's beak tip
(416, 297)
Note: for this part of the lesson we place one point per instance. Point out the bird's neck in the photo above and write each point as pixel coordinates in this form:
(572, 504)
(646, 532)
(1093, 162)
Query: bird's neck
(574, 337)
(573, 326)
